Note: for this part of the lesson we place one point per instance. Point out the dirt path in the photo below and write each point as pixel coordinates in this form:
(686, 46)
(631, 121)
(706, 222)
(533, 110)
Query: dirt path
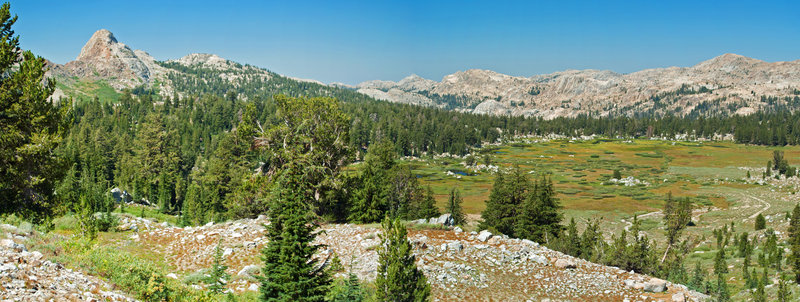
(766, 205)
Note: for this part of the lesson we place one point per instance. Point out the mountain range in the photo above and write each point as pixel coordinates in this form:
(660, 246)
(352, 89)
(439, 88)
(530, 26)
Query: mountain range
(727, 84)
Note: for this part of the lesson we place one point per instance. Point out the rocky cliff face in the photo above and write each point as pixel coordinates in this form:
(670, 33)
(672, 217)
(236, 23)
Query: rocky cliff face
(726, 84)
(104, 58)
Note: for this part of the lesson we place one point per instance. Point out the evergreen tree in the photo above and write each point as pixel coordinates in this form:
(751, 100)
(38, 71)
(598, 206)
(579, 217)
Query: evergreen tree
(31, 128)
(697, 281)
(347, 290)
(290, 273)
(218, 277)
(455, 209)
(398, 279)
(761, 222)
(784, 293)
(507, 195)
(794, 242)
(572, 240)
(642, 257)
(540, 217)
(677, 215)
(427, 208)
(369, 203)
(720, 269)
(759, 295)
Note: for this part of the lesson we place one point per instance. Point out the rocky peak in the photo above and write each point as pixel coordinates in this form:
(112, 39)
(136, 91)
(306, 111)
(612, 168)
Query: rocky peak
(105, 58)
(415, 83)
(100, 45)
(729, 61)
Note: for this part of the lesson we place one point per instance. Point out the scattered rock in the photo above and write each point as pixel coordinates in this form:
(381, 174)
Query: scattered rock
(679, 297)
(565, 263)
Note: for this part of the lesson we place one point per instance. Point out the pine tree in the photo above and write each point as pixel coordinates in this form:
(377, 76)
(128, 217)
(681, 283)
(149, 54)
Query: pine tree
(508, 194)
(539, 219)
(572, 240)
(290, 273)
(794, 242)
(369, 203)
(784, 293)
(398, 278)
(347, 290)
(759, 295)
(760, 223)
(427, 208)
(720, 269)
(722, 293)
(31, 128)
(698, 278)
(218, 277)
(677, 214)
(455, 209)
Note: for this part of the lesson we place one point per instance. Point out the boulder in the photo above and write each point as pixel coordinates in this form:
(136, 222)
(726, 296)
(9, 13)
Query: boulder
(445, 219)
(679, 297)
(655, 285)
(457, 230)
(455, 246)
(253, 287)
(538, 259)
(484, 235)
(420, 221)
(565, 263)
(248, 271)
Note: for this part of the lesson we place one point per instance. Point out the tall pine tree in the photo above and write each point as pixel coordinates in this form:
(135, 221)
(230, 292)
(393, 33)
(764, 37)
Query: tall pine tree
(455, 209)
(31, 128)
(540, 217)
(508, 194)
(794, 242)
(427, 208)
(398, 279)
(290, 273)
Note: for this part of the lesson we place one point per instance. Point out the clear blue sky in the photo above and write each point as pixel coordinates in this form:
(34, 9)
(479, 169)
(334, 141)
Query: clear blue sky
(350, 42)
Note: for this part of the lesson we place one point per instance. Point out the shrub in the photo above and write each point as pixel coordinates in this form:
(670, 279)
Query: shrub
(761, 222)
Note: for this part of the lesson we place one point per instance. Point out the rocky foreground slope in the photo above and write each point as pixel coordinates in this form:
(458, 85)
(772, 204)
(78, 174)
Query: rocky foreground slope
(27, 276)
(461, 266)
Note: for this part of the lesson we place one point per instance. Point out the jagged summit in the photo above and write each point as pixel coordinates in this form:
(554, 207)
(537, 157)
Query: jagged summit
(103, 58)
(100, 44)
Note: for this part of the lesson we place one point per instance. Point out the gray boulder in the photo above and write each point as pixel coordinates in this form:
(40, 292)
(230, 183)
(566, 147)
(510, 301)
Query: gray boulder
(445, 219)
(455, 246)
(565, 263)
(655, 285)
(484, 235)
(248, 271)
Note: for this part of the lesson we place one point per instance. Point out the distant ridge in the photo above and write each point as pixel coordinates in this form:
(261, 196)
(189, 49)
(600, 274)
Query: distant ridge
(727, 84)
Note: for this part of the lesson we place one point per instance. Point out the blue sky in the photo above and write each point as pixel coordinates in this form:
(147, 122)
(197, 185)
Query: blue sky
(354, 41)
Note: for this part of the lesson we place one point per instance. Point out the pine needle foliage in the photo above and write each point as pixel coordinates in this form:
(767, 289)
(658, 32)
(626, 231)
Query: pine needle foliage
(398, 279)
